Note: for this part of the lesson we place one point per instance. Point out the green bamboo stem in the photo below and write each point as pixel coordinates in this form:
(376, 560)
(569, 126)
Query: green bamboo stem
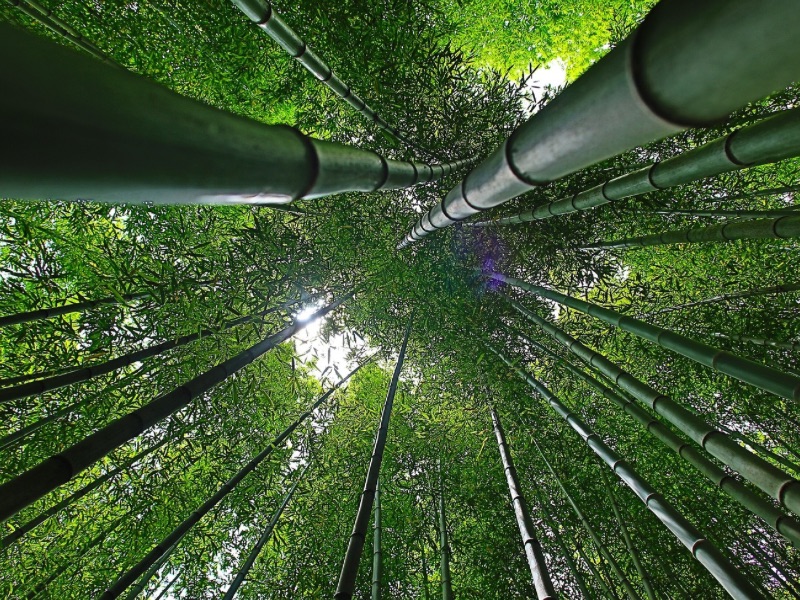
(636, 94)
(139, 586)
(784, 189)
(46, 17)
(178, 533)
(595, 537)
(761, 449)
(167, 587)
(444, 544)
(85, 373)
(265, 536)
(355, 547)
(31, 376)
(263, 14)
(83, 130)
(43, 516)
(566, 553)
(377, 563)
(530, 543)
(785, 227)
(784, 524)
(35, 483)
(766, 378)
(763, 291)
(771, 140)
(759, 341)
(610, 593)
(66, 309)
(736, 214)
(775, 570)
(767, 477)
(626, 536)
(702, 550)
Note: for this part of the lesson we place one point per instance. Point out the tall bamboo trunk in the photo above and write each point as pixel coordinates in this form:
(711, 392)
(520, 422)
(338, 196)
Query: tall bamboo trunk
(140, 585)
(530, 543)
(66, 309)
(762, 291)
(178, 533)
(82, 129)
(444, 543)
(785, 227)
(626, 536)
(732, 214)
(753, 468)
(566, 553)
(600, 579)
(265, 535)
(34, 483)
(85, 373)
(377, 551)
(758, 341)
(730, 578)
(603, 113)
(355, 547)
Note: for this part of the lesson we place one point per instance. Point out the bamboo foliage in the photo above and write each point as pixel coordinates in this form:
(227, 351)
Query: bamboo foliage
(734, 582)
(533, 549)
(84, 130)
(784, 227)
(263, 14)
(265, 535)
(603, 114)
(355, 547)
(60, 468)
(180, 531)
(761, 473)
(770, 140)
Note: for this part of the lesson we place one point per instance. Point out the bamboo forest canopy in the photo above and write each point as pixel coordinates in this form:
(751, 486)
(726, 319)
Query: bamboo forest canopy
(257, 342)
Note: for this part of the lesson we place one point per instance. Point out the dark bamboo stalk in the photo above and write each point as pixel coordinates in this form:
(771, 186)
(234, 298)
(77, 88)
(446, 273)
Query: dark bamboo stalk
(734, 214)
(785, 227)
(760, 341)
(355, 547)
(33, 484)
(177, 534)
(638, 93)
(167, 587)
(763, 291)
(610, 593)
(567, 553)
(265, 535)
(763, 474)
(139, 586)
(733, 581)
(48, 313)
(263, 14)
(377, 551)
(444, 543)
(530, 543)
(85, 373)
(83, 130)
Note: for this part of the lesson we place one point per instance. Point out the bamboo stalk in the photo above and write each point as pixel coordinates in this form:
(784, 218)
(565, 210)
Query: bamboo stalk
(774, 289)
(702, 550)
(638, 93)
(178, 533)
(66, 309)
(759, 341)
(610, 593)
(355, 546)
(139, 586)
(263, 14)
(38, 481)
(444, 543)
(78, 129)
(785, 227)
(771, 480)
(265, 535)
(530, 543)
(737, 214)
(377, 563)
(573, 568)
(85, 373)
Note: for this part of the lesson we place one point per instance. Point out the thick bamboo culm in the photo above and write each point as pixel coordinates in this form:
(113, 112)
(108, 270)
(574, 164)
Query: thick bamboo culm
(773, 139)
(78, 129)
(177, 534)
(55, 471)
(785, 227)
(355, 546)
(265, 535)
(85, 373)
(533, 549)
(263, 14)
(685, 66)
(771, 480)
(46, 17)
(728, 576)
(784, 524)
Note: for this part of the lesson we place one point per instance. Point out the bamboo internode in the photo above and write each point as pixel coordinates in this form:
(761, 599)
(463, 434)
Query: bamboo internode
(78, 129)
(686, 65)
(730, 578)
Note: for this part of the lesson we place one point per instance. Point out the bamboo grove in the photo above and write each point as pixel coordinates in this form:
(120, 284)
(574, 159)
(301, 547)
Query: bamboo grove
(229, 369)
